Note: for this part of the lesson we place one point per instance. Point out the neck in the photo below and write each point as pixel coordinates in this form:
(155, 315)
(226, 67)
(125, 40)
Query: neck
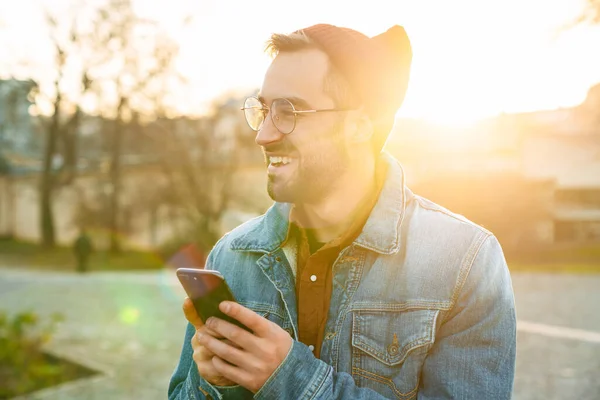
(332, 215)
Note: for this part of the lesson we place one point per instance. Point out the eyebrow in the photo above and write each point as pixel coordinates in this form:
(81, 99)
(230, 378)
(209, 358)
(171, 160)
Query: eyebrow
(296, 101)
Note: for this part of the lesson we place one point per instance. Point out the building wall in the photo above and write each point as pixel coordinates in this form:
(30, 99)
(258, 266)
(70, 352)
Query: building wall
(572, 161)
(6, 216)
(26, 208)
(147, 225)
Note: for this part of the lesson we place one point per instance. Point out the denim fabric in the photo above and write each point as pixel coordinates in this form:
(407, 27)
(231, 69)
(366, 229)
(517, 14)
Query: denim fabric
(422, 307)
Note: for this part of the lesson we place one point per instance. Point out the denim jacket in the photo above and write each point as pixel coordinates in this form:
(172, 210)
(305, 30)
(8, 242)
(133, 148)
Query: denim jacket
(422, 307)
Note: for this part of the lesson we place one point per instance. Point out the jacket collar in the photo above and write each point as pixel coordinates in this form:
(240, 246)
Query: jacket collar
(381, 232)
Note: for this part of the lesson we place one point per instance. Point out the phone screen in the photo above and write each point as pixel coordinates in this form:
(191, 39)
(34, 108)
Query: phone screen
(207, 290)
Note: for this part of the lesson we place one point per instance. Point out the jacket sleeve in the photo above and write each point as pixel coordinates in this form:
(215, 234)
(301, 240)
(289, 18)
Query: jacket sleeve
(302, 376)
(473, 356)
(187, 384)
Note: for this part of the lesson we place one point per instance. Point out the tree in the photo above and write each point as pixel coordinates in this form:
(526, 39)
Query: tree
(200, 160)
(142, 58)
(73, 58)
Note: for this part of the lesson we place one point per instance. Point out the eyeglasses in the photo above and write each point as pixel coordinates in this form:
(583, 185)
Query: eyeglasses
(283, 113)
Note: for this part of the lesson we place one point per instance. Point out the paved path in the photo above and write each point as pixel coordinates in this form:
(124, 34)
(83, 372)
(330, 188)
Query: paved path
(130, 327)
(558, 342)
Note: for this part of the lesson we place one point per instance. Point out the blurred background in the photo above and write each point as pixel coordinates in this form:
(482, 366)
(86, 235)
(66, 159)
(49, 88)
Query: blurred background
(123, 154)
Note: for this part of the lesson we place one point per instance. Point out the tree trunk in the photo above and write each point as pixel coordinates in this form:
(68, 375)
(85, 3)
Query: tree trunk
(47, 229)
(115, 179)
(46, 215)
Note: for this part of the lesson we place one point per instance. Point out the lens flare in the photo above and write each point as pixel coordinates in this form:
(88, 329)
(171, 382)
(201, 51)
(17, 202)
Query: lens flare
(129, 315)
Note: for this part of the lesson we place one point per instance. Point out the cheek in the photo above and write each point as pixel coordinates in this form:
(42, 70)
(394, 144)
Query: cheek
(320, 139)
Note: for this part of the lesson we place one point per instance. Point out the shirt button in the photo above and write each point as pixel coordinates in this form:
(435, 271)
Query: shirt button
(313, 278)
(311, 347)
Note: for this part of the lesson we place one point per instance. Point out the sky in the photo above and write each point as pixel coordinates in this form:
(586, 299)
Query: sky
(471, 58)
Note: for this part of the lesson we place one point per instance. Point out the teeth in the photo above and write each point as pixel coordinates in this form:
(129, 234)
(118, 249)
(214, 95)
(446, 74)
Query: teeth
(281, 160)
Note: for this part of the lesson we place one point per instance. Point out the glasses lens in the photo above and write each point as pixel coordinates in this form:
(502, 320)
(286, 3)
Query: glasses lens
(254, 112)
(283, 115)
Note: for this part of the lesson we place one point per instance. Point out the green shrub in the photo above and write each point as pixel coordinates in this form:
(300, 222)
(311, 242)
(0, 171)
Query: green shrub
(23, 366)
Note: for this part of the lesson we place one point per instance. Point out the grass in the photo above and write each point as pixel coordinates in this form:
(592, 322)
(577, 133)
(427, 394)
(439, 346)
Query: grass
(25, 254)
(56, 369)
(572, 259)
(561, 268)
(31, 255)
(24, 366)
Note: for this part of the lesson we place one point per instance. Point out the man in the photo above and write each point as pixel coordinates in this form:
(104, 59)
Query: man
(82, 248)
(353, 286)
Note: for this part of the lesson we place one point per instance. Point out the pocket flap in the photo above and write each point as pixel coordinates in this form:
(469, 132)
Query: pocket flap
(390, 336)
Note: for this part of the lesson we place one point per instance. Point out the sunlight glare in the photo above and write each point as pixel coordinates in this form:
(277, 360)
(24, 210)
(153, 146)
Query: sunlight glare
(129, 315)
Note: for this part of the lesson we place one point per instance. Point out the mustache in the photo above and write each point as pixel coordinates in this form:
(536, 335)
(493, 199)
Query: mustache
(280, 148)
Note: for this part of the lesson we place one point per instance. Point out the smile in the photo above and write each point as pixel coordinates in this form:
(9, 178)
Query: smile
(277, 161)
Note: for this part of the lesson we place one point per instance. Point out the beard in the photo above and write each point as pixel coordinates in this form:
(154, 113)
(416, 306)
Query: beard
(315, 174)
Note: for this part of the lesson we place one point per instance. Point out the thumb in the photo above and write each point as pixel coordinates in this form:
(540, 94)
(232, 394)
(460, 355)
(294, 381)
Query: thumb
(190, 314)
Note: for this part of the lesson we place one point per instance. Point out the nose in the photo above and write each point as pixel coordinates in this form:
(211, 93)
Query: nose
(268, 134)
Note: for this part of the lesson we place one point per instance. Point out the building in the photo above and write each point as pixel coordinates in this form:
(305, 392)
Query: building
(148, 218)
(572, 162)
(17, 127)
(552, 157)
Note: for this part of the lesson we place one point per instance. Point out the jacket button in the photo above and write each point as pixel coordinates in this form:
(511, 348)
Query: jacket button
(392, 349)
(278, 259)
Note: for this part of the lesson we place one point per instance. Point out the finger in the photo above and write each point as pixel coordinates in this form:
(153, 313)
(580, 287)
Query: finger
(240, 337)
(196, 342)
(259, 325)
(229, 342)
(203, 352)
(231, 372)
(226, 351)
(192, 316)
(190, 313)
(211, 332)
(207, 370)
(199, 351)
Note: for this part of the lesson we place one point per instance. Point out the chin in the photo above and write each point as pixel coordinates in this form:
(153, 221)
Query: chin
(279, 194)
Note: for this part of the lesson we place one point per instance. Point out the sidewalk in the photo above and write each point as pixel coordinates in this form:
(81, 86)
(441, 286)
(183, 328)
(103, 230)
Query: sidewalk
(128, 326)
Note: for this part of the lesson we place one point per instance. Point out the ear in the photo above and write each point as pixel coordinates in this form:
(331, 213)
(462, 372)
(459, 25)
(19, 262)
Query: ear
(362, 129)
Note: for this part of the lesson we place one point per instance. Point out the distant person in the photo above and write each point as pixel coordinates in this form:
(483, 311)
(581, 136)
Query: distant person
(83, 249)
(353, 287)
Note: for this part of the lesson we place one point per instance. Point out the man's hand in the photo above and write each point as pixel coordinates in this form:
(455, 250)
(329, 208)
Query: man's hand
(249, 359)
(202, 356)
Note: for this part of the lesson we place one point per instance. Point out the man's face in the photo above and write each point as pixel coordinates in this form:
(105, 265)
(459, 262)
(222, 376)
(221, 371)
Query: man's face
(316, 149)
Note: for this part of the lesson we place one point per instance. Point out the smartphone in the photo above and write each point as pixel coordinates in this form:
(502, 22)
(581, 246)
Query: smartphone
(207, 289)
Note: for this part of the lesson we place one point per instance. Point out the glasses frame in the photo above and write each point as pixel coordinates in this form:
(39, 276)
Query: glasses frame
(267, 109)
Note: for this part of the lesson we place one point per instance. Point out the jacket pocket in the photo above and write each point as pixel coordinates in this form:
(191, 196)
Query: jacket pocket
(389, 348)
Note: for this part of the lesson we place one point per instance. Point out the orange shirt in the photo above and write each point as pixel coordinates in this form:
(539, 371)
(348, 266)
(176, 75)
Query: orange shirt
(314, 269)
